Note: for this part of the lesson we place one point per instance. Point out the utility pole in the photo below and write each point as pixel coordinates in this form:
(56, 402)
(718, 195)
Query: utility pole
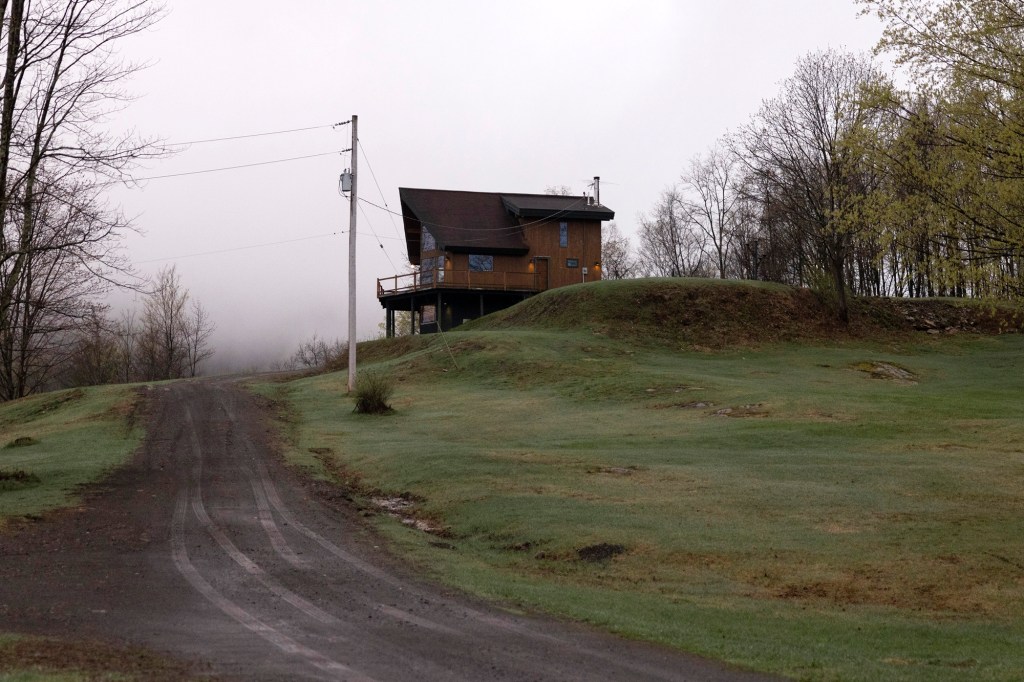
(353, 206)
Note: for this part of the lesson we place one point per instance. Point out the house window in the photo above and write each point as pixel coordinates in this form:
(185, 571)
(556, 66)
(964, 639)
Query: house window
(429, 243)
(427, 271)
(563, 235)
(481, 263)
(572, 262)
(428, 314)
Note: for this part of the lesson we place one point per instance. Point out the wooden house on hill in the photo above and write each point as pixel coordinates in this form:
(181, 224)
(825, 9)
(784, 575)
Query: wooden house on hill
(479, 252)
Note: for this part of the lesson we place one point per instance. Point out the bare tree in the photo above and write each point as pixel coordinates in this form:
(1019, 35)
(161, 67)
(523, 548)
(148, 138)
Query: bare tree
(126, 333)
(803, 149)
(93, 358)
(60, 78)
(668, 245)
(172, 341)
(559, 190)
(318, 352)
(617, 260)
(711, 203)
(197, 332)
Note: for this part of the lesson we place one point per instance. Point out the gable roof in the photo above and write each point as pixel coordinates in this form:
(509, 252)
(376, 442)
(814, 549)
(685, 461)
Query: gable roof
(484, 222)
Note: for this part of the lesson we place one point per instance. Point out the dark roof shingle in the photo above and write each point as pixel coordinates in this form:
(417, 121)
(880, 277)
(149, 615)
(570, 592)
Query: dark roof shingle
(485, 222)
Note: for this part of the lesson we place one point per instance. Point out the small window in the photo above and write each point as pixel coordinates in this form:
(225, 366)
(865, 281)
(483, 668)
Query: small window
(429, 243)
(572, 262)
(563, 235)
(481, 263)
(428, 314)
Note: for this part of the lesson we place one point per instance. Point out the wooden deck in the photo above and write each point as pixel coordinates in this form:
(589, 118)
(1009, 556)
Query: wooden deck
(457, 279)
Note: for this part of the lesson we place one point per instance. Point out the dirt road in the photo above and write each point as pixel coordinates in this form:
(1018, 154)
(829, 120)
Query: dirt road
(208, 549)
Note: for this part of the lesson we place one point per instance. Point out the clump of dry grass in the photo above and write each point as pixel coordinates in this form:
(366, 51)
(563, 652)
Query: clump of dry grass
(373, 393)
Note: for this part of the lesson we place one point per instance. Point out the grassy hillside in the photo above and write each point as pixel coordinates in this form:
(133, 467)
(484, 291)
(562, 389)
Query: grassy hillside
(821, 503)
(727, 313)
(52, 443)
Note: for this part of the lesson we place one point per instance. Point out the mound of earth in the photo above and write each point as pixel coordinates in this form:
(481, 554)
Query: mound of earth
(719, 313)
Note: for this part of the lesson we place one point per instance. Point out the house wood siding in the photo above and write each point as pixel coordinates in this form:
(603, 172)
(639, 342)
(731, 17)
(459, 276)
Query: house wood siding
(584, 246)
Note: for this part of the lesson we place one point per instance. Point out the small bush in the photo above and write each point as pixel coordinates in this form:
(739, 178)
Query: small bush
(373, 393)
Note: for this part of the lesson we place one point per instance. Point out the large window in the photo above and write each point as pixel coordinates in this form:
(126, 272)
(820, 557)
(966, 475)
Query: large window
(427, 270)
(563, 235)
(481, 263)
(429, 243)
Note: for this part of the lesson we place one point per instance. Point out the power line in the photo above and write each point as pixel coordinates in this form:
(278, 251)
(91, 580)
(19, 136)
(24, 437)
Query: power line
(243, 137)
(226, 168)
(243, 248)
(374, 232)
(510, 229)
(379, 191)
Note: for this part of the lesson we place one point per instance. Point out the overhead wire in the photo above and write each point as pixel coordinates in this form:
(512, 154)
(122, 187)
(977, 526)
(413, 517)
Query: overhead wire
(225, 168)
(250, 135)
(510, 229)
(361, 210)
(379, 191)
(243, 248)
(372, 231)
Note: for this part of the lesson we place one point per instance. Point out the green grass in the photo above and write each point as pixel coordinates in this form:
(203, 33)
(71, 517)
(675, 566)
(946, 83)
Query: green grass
(832, 526)
(61, 441)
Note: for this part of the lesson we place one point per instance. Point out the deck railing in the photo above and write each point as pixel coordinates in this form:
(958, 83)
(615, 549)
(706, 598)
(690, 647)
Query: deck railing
(457, 279)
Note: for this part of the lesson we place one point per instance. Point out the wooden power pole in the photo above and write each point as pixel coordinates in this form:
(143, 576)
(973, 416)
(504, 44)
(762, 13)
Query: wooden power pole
(353, 206)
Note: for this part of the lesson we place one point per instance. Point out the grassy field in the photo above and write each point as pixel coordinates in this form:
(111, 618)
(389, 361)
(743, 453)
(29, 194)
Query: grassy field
(52, 443)
(840, 508)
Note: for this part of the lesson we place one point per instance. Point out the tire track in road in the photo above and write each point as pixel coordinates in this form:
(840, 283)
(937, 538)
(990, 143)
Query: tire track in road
(283, 642)
(229, 548)
(282, 548)
(193, 493)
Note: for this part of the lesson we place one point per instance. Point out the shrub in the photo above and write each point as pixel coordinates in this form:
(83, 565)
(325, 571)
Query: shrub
(373, 391)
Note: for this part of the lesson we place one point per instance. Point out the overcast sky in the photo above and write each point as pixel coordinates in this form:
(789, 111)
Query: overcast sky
(510, 97)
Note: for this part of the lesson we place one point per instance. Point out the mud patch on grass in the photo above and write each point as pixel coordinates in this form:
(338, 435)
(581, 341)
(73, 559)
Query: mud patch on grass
(92, 660)
(886, 371)
(406, 508)
(599, 552)
(683, 404)
(616, 470)
(17, 480)
(22, 442)
(752, 410)
(951, 585)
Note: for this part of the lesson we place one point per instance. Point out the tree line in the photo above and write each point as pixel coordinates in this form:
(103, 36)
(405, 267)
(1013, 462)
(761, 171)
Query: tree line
(849, 184)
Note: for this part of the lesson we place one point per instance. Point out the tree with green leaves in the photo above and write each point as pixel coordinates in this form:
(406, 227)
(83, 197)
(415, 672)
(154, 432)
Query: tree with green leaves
(966, 60)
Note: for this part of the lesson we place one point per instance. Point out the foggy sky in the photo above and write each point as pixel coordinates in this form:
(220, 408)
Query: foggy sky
(510, 97)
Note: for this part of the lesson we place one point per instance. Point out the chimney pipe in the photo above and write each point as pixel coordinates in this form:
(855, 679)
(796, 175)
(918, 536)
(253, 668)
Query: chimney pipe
(597, 190)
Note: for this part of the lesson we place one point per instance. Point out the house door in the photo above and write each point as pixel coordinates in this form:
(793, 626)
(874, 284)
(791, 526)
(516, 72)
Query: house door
(542, 273)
